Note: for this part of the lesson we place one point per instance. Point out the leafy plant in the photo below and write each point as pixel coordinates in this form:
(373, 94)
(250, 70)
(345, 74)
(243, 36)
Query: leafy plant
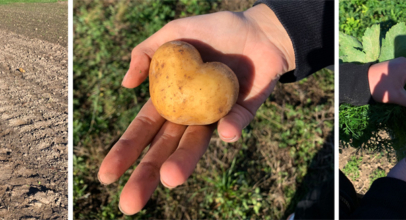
(378, 173)
(351, 169)
(79, 186)
(352, 50)
(231, 195)
(196, 7)
(357, 15)
(360, 126)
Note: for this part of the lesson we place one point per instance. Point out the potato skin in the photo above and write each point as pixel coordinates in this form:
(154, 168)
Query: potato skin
(186, 91)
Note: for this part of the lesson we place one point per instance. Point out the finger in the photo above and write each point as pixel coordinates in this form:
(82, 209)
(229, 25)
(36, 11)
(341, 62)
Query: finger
(128, 148)
(231, 125)
(180, 165)
(139, 68)
(242, 113)
(142, 54)
(145, 178)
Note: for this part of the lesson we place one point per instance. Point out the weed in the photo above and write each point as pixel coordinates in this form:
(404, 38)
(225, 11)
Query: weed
(357, 15)
(352, 168)
(378, 173)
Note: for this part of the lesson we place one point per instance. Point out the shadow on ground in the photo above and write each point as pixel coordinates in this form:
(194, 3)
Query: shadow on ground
(319, 175)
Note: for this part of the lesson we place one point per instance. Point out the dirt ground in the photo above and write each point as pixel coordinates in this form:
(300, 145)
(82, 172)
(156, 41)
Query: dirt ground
(371, 161)
(46, 21)
(33, 122)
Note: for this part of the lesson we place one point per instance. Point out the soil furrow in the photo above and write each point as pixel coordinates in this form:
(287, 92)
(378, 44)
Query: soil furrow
(33, 128)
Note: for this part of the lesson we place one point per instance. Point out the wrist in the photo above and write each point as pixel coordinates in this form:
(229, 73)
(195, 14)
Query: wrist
(268, 23)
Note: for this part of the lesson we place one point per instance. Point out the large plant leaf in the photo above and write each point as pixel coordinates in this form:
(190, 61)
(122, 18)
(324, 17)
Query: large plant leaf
(348, 41)
(370, 42)
(350, 49)
(394, 44)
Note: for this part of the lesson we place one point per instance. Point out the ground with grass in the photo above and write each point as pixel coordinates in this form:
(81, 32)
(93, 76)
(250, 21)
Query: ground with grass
(362, 166)
(285, 151)
(33, 124)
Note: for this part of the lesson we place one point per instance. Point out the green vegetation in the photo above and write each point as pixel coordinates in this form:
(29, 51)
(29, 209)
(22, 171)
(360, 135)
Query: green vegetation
(284, 152)
(378, 173)
(352, 168)
(355, 16)
(2, 2)
(366, 41)
(373, 48)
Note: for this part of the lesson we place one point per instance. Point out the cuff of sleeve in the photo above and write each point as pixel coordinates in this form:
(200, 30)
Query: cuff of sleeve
(311, 29)
(354, 84)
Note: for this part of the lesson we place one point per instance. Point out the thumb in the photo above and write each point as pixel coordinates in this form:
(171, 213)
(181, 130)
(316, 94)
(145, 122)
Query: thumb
(242, 113)
(142, 54)
(231, 125)
(139, 67)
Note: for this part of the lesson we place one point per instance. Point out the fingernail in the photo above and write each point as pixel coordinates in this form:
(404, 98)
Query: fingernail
(232, 139)
(119, 207)
(167, 186)
(126, 76)
(98, 177)
(108, 178)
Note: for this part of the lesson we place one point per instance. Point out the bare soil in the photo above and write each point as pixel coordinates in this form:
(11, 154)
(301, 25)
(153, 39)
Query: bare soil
(371, 161)
(33, 126)
(46, 21)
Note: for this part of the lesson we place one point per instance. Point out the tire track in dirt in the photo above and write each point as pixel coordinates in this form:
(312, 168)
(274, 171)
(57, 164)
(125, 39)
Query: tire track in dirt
(33, 128)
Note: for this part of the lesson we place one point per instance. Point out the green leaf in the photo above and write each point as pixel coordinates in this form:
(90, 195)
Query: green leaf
(370, 41)
(348, 41)
(353, 55)
(350, 46)
(394, 44)
(348, 49)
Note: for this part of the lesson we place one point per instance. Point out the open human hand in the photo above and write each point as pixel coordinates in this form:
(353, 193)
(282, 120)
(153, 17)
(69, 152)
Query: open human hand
(252, 43)
(387, 80)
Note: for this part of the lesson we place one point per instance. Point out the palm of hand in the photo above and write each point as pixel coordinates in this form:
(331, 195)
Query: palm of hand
(175, 149)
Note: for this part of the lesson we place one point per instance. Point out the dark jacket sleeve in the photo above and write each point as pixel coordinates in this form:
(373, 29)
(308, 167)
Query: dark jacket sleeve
(386, 199)
(354, 84)
(310, 25)
(348, 200)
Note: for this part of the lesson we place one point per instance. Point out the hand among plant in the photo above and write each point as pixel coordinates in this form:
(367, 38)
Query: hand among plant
(252, 43)
(387, 80)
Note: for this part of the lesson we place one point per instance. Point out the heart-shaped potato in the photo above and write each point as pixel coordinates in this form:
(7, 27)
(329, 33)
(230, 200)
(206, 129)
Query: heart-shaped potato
(186, 91)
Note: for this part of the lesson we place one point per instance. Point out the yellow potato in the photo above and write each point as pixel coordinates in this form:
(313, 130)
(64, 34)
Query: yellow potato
(186, 91)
